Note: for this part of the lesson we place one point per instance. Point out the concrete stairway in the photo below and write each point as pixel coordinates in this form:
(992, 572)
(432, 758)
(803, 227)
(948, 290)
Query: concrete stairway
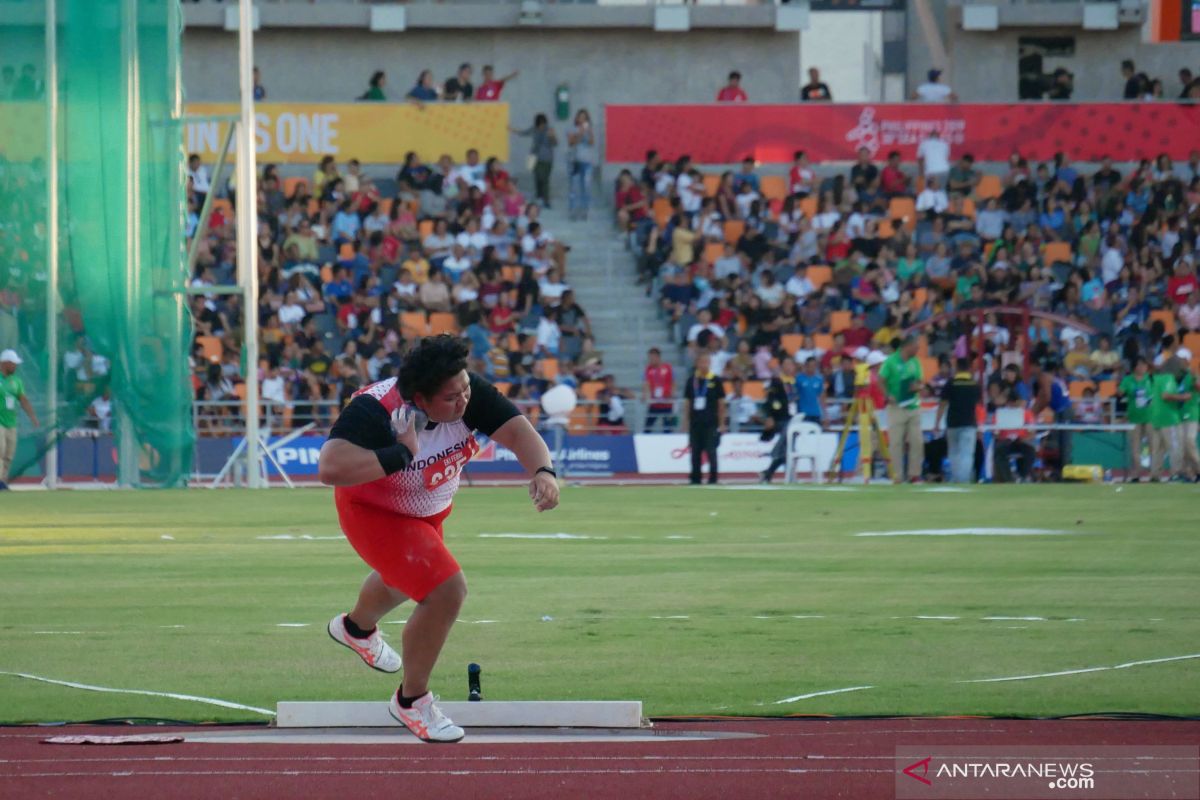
(603, 275)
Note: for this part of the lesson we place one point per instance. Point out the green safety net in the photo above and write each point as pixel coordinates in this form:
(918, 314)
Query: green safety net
(121, 257)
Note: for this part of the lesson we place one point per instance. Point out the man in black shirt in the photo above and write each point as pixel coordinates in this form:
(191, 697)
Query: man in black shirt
(459, 87)
(1132, 84)
(815, 89)
(704, 416)
(959, 397)
(865, 177)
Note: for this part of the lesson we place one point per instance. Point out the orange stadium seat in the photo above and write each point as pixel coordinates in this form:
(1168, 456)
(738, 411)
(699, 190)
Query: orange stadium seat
(903, 208)
(1077, 388)
(424, 228)
(589, 390)
(808, 206)
(929, 367)
(1166, 316)
(791, 342)
(1106, 389)
(290, 184)
(662, 211)
(549, 368)
(755, 390)
(774, 187)
(1192, 342)
(211, 346)
(920, 297)
(713, 251)
(969, 207)
(1054, 252)
(711, 182)
(989, 186)
(819, 275)
(839, 321)
(442, 322)
(734, 228)
(823, 341)
(413, 324)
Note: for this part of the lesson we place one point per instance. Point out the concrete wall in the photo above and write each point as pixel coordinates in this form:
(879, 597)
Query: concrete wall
(600, 66)
(848, 49)
(985, 64)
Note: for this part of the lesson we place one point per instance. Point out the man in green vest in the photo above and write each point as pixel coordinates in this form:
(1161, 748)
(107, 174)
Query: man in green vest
(1165, 401)
(901, 377)
(1135, 388)
(12, 394)
(1189, 415)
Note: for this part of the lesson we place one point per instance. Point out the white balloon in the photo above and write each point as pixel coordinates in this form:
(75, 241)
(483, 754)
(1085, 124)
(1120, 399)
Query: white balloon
(560, 401)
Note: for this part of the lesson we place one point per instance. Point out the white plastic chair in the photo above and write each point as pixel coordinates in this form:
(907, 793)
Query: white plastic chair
(803, 444)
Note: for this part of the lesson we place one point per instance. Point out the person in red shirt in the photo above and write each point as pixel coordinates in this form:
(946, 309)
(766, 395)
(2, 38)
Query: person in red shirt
(1182, 283)
(658, 388)
(491, 88)
(858, 334)
(892, 181)
(631, 201)
(839, 244)
(800, 176)
(732, 92)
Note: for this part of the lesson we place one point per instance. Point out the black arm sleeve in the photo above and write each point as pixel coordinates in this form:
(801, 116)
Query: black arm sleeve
(366, 423)
(487, 410)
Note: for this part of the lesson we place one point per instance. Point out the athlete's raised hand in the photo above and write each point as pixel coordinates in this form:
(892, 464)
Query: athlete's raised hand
(405, 421)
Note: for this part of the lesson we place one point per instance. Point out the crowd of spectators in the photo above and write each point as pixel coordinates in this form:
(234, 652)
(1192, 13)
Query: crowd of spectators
(814, 266)
(353, 268)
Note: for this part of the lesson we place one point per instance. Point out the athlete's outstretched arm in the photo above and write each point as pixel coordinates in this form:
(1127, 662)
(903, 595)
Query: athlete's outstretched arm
(530, 449)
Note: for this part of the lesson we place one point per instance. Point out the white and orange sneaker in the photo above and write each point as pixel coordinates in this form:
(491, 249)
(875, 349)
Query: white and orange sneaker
(425, 720)
(374, 651)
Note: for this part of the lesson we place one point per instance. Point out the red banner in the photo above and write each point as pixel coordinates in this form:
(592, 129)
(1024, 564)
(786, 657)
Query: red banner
(727, 133)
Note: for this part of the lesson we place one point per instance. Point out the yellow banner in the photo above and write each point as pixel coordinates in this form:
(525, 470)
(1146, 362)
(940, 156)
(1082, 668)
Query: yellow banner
(301, 133)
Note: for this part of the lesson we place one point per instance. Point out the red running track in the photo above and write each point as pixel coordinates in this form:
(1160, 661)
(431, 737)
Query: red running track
(808, 758)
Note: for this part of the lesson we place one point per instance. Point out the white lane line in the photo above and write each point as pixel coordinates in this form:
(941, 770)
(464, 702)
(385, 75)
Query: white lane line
(538, 536)
(932, 616)
(291, 537)
(1126, 665)
(59, 633)
(1014, 619)
(673, 616)
(173, 696)
(820, 694)
(971, 532)
(808, 616)
(292, 625)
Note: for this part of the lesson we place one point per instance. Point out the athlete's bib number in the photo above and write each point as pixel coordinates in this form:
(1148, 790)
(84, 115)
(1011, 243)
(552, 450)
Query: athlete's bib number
(447, 469)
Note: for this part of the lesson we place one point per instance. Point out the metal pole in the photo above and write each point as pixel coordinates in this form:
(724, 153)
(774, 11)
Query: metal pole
(51, 477)
(127, 459)
(247, 223)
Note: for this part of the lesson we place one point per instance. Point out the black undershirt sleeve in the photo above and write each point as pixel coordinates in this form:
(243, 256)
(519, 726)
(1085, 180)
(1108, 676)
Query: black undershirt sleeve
(487, 410)
(366, 423)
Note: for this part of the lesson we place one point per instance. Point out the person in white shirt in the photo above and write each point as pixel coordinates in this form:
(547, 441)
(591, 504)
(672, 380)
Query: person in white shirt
(457, 263)
(705, 323)
(199, 175)
(471, 238)
(691, 191)
(469, 174)
(934, 91)
(799, 286)
(552, 287)
(291, 313)
(932, 197)
(745, 199)
(100, 411)
(934, 155)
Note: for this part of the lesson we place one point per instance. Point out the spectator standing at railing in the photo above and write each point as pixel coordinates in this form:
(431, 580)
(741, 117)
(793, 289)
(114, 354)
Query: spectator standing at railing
(1132, 82)
(492, 87)
(815, 90)
(459, 87)
(934, 91)
(375, 88)
(732, 91)
(934, 156)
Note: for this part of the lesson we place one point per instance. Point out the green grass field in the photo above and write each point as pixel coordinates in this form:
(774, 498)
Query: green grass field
(176, 592)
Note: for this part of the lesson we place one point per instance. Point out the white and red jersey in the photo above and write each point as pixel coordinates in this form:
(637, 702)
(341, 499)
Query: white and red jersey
(427, 485)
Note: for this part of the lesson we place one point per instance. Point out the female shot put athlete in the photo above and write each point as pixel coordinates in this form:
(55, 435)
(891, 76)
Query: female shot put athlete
(395, 455)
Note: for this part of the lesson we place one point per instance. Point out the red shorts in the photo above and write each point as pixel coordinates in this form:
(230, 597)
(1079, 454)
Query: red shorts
(407, 552)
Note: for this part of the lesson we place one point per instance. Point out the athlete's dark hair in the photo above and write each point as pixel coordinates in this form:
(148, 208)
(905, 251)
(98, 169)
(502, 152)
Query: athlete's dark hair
(433, 361)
